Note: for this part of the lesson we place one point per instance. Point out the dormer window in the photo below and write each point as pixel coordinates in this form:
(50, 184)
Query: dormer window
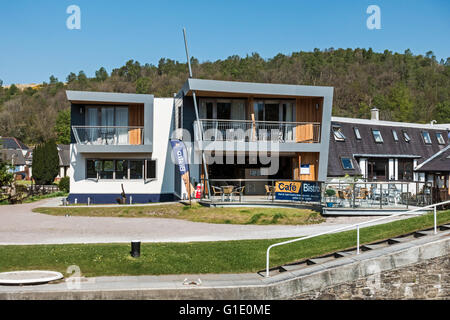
(394, 134)
(440, 138)
(357, 134)
(377, 136)
(406, 136)
(338, 135)
(426, 137)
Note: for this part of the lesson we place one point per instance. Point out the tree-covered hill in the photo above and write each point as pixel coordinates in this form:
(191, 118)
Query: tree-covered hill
(405, 87)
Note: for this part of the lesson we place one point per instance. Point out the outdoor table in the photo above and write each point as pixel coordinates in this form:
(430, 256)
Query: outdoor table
(227, 191)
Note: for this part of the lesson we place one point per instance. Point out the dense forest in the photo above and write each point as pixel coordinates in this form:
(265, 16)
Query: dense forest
(405, 87)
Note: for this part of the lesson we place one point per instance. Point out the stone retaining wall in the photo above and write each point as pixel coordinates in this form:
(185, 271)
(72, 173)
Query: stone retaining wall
(429, 279)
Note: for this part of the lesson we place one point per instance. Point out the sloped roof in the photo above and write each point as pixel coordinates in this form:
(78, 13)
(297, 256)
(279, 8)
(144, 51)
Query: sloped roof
(367, 147)
(8, 154)
(12, 143)
(439, 162)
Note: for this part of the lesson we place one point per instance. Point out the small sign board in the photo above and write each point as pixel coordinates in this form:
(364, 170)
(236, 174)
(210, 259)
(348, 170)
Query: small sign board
(304, 169)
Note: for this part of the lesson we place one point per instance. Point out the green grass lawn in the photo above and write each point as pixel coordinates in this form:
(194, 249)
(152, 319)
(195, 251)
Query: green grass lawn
(40, 197)
(196, 257)
(197, 213)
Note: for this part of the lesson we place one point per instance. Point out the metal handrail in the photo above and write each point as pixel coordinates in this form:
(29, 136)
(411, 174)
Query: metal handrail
(357, 225)
(259, 121)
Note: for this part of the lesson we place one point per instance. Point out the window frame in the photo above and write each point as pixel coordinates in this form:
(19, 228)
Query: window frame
(423, 133)
(380, 135)
(395, 135)
(128, 178)
(406, 136)
(351, 162)
(357, 133)
(441, 136)
(335, 129)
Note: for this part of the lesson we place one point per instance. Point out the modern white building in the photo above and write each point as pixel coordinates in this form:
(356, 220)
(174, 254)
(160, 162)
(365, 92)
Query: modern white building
(120, 143)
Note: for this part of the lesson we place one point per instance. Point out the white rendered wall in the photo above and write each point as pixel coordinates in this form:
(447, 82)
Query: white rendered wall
(164, 183)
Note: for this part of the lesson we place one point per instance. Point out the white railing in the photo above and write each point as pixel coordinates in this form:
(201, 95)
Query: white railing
(357, 225)
(108, 135)
(247, 131)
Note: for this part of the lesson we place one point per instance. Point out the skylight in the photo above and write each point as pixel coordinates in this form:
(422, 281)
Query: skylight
(377, 136)
(440, 138)
(394, 134)
(357, 134)
(406, 136)
(347, 163)
(426, 137)
(338, 135)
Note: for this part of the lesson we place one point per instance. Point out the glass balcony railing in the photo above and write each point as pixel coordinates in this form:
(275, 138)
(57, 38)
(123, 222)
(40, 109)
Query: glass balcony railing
(108, 135)
(249, 131)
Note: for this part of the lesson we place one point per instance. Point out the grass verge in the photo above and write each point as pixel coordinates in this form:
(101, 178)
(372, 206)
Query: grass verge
(197, 213)
(40, 197)
(195, 257)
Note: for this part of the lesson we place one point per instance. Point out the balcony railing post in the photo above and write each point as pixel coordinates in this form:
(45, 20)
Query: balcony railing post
(435, 221)
(357, 239)
(273, 191)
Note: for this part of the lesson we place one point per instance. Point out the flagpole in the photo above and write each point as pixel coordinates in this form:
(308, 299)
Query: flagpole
(200, 128)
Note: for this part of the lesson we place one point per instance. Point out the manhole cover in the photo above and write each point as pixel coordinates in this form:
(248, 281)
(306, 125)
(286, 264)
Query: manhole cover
(29, 277)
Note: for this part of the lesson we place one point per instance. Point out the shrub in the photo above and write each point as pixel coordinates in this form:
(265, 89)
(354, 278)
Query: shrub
(64, 184)
(45, 163)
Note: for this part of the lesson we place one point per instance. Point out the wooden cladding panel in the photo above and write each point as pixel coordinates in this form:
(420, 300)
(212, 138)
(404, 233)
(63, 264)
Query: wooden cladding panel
(311, 158)
(307, 110)
(135, 119)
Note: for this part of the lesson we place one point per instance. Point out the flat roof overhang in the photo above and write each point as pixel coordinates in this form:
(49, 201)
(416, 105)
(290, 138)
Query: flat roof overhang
(409, 156)
(141, 148)
(91, 97)
(218, 88)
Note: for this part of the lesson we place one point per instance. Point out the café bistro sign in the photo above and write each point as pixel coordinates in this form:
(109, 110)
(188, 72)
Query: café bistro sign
(297, 191)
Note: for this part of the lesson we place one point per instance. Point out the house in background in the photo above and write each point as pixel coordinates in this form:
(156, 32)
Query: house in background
(120, 142)
(380, 150)
(243, 119)
(64, 161)
(18, 155)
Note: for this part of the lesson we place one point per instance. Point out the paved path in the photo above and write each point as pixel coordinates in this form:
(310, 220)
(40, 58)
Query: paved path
(19, 225)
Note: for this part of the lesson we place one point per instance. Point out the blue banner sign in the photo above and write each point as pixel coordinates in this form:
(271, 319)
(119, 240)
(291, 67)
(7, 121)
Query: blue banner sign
(297, 191)
(181, 159)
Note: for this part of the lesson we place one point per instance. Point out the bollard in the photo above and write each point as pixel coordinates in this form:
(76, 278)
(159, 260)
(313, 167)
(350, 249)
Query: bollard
(76, 200)
(89, 201)
(135, 248)
(131, 199)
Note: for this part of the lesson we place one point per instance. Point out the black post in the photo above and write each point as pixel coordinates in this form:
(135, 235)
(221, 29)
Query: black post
(135, 248)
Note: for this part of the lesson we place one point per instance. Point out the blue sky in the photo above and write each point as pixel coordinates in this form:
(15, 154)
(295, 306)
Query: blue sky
(35, 42)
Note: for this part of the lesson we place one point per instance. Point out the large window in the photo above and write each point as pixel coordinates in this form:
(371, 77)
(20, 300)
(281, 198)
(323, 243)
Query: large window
(109, 169)
(405, 169)
(377, 136)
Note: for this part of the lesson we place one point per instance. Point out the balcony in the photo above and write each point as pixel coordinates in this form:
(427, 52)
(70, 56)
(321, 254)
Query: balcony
(108, 135)
(258, 131)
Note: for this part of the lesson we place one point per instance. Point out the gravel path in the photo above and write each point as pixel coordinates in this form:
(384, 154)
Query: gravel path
(19, 225)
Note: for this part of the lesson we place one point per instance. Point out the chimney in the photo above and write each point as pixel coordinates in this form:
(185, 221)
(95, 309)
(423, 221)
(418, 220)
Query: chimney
(374, 114)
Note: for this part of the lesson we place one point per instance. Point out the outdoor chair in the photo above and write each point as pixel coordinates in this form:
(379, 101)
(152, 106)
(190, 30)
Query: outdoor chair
(269, 191)
(239, 191)
(217, 191)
